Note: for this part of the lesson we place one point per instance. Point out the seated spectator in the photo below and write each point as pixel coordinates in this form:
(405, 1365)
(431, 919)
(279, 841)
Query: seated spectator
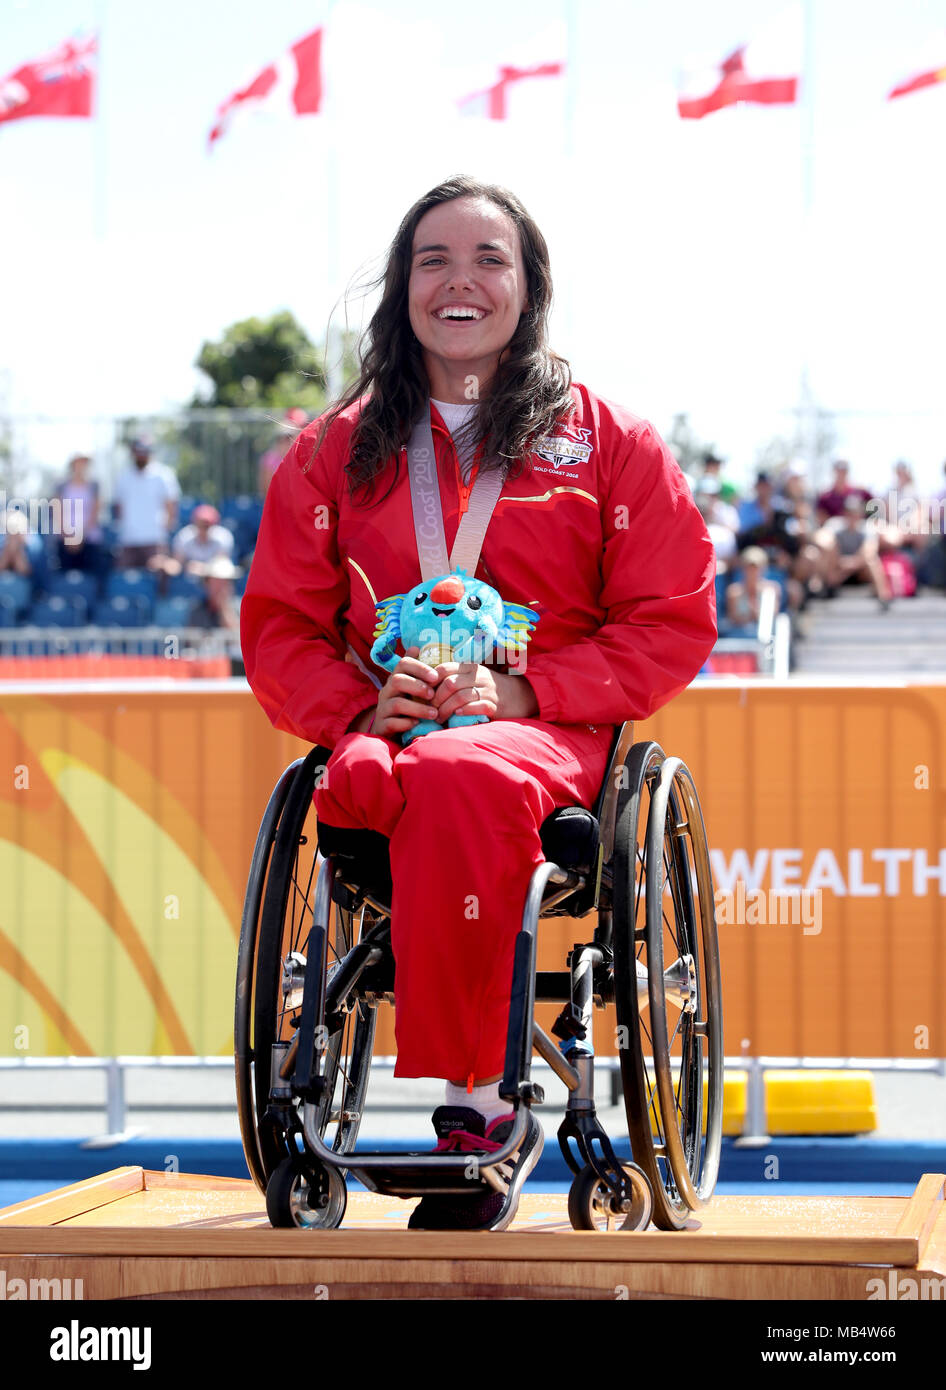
(203, 540)
(850, 547)
(218, 607)
(728, 492)
(721, 532)
(80, 542)
(831, 503)
(897, 562)
(293, 421)
(15, 553)
(745, 593)
(145, 506)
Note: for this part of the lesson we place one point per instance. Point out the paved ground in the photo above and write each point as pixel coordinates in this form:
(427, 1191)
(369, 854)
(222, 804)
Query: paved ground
(201, 1103)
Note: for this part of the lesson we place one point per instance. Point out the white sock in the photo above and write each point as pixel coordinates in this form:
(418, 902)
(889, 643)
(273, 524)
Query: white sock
(485, 1099)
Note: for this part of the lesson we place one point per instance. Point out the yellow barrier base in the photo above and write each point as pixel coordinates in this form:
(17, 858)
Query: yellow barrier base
(820, 1102)
(801, 1102)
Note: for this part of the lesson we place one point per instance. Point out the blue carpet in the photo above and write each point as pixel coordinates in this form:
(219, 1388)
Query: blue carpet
(828, 1165)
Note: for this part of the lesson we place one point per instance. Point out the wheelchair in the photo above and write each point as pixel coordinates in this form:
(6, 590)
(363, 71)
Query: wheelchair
(315, 964)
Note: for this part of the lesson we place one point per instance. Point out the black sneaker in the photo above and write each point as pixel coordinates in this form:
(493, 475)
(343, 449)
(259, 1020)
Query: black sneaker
(463, 1130)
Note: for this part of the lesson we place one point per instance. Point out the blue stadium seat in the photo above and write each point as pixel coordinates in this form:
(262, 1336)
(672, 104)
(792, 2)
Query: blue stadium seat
(132, 584)
(185, 510)
(249, 509)
(16, 589)
(123, 611)
(172, 612)
(239, 585)
(7, 612)
(59, 612)
(185, 586)
(72, 584)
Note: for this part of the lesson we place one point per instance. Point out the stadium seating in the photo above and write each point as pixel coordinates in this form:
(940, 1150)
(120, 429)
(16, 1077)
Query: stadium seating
(132, 584)
(172, 612)
(72, 584)
(16, 589)
(123, 611)
(60, 611)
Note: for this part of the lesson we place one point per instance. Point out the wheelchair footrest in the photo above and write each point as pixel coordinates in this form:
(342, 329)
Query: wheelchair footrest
(417, 1182)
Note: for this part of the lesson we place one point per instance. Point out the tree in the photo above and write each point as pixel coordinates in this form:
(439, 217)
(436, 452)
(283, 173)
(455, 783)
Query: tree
(263, 363)
(257, 370)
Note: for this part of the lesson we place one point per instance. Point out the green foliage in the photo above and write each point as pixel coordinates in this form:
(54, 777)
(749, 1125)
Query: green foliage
(263, 363)
(256, 371)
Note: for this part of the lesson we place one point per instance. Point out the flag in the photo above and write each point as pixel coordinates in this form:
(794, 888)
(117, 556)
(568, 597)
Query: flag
(294, 82)
(492, 102)
(764, 71)
(916, 84)
(61, 83)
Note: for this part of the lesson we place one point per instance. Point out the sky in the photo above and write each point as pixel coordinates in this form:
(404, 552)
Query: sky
(690, 273)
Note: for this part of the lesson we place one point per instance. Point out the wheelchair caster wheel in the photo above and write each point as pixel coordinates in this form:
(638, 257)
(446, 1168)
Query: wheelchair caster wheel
(591, 1206)
(310, 1197)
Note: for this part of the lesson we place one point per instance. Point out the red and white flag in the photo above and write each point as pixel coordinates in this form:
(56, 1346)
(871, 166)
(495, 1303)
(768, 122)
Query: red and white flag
(293, 82)
(493, 102)
(930, 78)
(61, 83)
(765, 71)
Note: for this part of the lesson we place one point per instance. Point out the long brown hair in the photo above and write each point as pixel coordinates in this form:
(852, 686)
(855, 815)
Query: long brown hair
(528, 395)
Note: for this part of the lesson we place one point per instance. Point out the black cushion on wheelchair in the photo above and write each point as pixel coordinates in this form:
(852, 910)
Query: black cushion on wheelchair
(570, 839)
(362, 855)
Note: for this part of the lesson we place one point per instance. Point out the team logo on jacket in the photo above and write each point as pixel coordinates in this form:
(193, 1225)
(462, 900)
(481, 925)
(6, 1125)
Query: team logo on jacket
(565, 450)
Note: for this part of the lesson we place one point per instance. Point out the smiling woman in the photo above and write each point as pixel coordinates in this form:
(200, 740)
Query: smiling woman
(573, 511)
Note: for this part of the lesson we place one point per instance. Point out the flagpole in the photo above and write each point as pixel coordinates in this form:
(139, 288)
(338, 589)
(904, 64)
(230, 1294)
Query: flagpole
(334, 335)
(807, 411)
(99, 158)
(571, 106)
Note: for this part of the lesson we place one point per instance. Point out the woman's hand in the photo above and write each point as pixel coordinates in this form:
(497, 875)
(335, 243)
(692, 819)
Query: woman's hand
(405, 697)
(466, 688)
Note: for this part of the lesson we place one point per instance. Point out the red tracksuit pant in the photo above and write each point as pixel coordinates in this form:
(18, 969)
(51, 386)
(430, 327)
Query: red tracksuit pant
(463, 809)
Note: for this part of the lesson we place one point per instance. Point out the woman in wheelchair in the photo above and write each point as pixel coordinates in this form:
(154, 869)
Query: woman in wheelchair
(568, 506)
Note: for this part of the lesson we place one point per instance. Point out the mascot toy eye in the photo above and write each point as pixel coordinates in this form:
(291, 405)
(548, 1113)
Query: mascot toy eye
(450, 618)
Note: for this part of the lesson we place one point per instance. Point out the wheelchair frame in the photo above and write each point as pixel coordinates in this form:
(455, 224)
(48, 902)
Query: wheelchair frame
(644, 841)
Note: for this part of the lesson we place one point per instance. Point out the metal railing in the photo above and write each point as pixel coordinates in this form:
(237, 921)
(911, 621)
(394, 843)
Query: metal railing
(753, 1129)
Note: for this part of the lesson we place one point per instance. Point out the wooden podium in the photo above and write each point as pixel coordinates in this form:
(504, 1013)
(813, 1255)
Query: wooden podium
(134, 1234)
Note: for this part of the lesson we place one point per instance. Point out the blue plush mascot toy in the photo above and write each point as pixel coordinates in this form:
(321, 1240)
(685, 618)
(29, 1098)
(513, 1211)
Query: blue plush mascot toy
(450, 618)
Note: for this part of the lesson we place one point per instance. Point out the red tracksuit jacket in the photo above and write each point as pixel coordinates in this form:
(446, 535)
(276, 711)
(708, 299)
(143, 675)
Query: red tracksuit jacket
(599, 533)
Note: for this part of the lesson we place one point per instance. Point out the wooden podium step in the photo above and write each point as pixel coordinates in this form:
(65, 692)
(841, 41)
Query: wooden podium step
(135, 1234)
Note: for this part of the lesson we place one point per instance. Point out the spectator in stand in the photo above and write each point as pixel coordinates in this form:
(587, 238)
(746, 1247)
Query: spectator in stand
(15, 553)
(203, 540)
(80, 542)
(808, 562)
(713, 468)
(850, 547)
(218, 607)
(721, 532)
(145, 506)
(831, 503)
(931, 564)
(293, 421)
(763, 521)
(745, 594)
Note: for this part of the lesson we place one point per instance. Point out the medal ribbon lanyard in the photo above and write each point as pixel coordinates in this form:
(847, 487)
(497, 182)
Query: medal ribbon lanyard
(428, 513)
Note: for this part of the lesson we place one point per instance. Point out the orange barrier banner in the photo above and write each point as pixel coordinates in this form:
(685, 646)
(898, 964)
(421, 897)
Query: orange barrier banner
(128, 818)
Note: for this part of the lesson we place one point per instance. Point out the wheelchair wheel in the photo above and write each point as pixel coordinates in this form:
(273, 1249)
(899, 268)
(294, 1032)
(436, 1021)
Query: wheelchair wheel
(246, 960)
(309, 1196)
(278, 976)
(667, 985)
(591, 1206)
